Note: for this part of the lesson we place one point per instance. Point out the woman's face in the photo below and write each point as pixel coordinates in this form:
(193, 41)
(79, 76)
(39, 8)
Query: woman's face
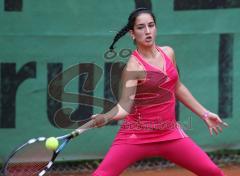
(144, 30)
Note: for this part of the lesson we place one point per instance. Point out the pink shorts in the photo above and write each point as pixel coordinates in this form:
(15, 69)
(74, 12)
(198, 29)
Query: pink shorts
(183, 152)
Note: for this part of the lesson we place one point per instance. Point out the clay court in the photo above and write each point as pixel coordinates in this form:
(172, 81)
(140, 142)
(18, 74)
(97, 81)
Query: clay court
(229, 170)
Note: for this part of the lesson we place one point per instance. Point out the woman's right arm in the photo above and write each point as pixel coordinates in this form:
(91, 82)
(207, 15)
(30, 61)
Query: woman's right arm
(129, 80)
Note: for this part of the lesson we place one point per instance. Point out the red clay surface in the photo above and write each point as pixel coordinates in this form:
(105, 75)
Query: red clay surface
(228, 170)
(231, 170)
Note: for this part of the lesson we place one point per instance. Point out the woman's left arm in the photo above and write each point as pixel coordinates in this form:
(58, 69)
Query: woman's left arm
(212, 120)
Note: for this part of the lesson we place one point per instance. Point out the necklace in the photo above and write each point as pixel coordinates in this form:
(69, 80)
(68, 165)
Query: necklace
(154, 54)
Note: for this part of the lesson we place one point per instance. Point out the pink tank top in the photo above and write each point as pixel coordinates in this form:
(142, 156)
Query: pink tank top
(152, 117)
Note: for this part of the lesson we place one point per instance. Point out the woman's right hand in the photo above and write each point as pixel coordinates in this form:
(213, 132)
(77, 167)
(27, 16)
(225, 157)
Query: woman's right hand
(100, 120)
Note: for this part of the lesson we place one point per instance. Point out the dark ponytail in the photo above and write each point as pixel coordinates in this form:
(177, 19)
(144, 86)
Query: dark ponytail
(131, 21)
(121, 33)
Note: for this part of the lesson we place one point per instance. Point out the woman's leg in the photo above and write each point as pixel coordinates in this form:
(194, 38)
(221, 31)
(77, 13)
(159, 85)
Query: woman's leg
(187, 154)
(118, 158)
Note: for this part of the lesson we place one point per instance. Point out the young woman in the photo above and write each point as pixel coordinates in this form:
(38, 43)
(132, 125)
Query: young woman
(147, 105)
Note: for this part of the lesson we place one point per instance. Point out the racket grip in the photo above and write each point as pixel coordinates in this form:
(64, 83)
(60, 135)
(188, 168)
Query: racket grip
(81, 129)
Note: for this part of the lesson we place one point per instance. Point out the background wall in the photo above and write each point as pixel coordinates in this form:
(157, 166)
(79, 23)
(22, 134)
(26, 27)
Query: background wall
(40, 39)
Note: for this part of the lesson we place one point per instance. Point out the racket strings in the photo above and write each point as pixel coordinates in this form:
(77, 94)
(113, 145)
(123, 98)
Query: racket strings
(29, 161)
(21, 169)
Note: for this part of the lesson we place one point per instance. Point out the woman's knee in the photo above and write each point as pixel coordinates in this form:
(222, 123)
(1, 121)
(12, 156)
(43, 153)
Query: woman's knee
(212, 171)
(216, 171)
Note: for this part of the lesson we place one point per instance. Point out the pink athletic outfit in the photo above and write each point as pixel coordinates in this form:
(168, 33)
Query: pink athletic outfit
(151, 128)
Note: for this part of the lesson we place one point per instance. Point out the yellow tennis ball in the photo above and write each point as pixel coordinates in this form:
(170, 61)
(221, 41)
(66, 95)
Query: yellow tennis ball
(51, 143)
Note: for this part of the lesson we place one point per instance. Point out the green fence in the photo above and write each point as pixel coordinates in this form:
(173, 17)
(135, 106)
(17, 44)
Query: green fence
(39, 39)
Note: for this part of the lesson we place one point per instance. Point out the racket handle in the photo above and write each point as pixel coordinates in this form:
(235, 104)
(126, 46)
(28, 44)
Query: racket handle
(85, 127)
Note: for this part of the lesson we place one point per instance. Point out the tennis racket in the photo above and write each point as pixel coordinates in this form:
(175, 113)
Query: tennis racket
(34, 159)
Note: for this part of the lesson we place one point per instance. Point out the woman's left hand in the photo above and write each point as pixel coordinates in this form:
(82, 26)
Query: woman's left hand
(214, 123)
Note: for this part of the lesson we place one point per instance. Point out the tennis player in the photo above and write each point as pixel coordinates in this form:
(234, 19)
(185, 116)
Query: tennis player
(151, 86)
